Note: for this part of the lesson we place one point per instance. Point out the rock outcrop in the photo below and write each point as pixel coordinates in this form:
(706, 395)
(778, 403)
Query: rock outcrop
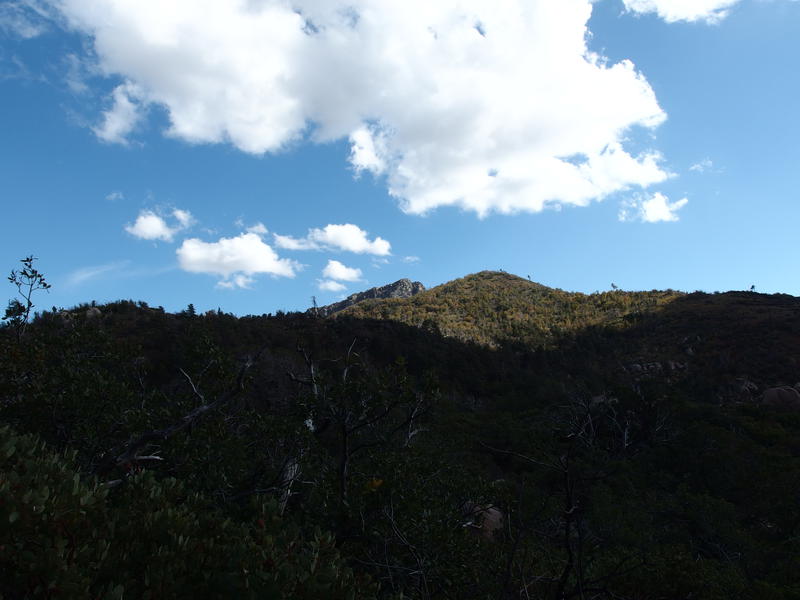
(785, 396)
(405, 288)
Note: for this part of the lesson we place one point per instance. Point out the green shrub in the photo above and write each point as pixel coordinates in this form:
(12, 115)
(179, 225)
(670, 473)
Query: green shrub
(62, 536)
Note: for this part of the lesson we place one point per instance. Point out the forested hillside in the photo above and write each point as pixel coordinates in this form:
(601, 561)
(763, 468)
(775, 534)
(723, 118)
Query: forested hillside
(489, 438)
(494, 307)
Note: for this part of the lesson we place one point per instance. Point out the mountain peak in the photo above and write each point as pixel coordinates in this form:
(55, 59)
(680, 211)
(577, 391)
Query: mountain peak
(402, 288)
(501, 276)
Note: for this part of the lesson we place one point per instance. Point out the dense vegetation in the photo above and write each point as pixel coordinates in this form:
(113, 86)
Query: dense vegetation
(622, 435)
(495, 307)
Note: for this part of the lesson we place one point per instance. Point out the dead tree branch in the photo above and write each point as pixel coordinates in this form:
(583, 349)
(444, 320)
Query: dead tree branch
(130, 452)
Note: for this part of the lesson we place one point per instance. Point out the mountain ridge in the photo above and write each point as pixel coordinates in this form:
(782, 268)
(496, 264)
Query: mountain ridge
(402, 288)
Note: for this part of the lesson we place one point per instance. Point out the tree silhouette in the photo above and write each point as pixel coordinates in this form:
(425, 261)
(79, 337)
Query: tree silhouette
(28, 281)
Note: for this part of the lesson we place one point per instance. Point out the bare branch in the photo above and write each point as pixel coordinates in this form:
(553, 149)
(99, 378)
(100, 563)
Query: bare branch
(523, 457)
(194, 387)
(129, 453)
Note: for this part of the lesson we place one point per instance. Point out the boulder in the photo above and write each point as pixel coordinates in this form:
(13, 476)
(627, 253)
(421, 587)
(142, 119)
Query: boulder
(483, 520)
(782, 397)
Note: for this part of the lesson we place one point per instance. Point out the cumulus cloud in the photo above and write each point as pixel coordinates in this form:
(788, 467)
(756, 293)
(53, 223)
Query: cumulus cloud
(184, 218)
(235, 259)
(328, 285)
(350, 238)
(287, 242)
(652, 209)
(336, 270)
(125, 113)
(484, 106)
(346, 238)
(710, 11)
(151, 226)
(258, 228)
(367, 151)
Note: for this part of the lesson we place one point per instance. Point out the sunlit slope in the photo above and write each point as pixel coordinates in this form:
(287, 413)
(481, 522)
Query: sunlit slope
(494, 307)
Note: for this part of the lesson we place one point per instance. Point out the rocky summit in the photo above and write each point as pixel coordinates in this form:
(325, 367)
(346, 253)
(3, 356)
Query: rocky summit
(404, 288)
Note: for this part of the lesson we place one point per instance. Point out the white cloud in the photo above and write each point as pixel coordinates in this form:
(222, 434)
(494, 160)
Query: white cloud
(13, 67)
(328, 285)
(350, 238)
(336, 270)
(151, 226)
(484, 106)
(235, 259)
(287, 242)
(258, 228)
(115, 196)
(346, 237)
(123, 116)
(652, 209)
(85, 274)
(701, 167)
(367, 149)
(184, 217)
(710, 11)
(244, 282)
(411, 259)
(24, 18)
(77, 74)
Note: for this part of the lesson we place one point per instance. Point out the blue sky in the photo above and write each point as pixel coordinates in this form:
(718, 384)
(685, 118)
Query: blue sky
(248, 154)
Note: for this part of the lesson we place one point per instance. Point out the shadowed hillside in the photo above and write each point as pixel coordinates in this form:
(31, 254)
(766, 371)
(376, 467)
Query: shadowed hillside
(613, 445)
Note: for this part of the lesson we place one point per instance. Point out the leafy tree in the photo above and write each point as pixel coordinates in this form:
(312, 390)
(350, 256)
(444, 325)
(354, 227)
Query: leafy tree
(28, 281)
